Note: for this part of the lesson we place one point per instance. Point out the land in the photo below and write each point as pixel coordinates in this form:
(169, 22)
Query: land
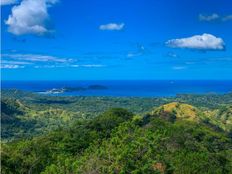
(51, 134)
(74, 89)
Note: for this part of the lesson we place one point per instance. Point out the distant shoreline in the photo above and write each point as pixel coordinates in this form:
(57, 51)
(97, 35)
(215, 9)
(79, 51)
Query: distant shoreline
(121, 88)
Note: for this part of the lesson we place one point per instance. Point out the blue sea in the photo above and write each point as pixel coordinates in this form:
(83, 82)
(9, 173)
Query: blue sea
(139, 88)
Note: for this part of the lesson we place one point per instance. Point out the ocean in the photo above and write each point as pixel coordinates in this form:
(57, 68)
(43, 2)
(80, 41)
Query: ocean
(119, 88)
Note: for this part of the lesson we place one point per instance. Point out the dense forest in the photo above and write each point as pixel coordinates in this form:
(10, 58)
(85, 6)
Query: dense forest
(93, 135)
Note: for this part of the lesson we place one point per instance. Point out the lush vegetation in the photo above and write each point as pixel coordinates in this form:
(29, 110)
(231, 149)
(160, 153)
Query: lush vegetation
(66, 135)
(20, 121)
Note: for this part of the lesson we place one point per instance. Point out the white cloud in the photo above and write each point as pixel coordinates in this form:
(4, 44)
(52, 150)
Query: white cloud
(92, 66)
(36, 58)
(200, 42)
(179, 67)
(214, 17)
(133, 55)
(48, 66)
(8, 2)
(87, 66)
(15, 62)
(6, 66)
(190, 63)
(172, 55)
(30, 17)
(112, 26)
(209, 18)
(68, 65)
(139, 52)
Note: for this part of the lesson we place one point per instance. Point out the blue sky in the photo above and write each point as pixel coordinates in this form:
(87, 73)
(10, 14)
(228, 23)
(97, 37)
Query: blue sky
(116, 39)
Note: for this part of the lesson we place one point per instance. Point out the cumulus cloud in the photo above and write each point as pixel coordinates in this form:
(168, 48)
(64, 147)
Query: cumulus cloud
(214, 17)
(8, 2)
(199, 42)
(30, 17)
(112, 26)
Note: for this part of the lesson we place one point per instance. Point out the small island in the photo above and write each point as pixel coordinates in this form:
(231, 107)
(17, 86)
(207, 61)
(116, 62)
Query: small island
(74, 89)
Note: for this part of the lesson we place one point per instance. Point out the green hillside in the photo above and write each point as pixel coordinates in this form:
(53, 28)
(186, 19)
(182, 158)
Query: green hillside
(12, 125)
(19, 121)
(57, 135)
(221, 117)
(177, 110)
(118, 141)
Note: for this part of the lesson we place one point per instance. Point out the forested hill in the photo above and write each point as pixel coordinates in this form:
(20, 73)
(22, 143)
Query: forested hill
(152, 135)
(26, 114)
(118, 141)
